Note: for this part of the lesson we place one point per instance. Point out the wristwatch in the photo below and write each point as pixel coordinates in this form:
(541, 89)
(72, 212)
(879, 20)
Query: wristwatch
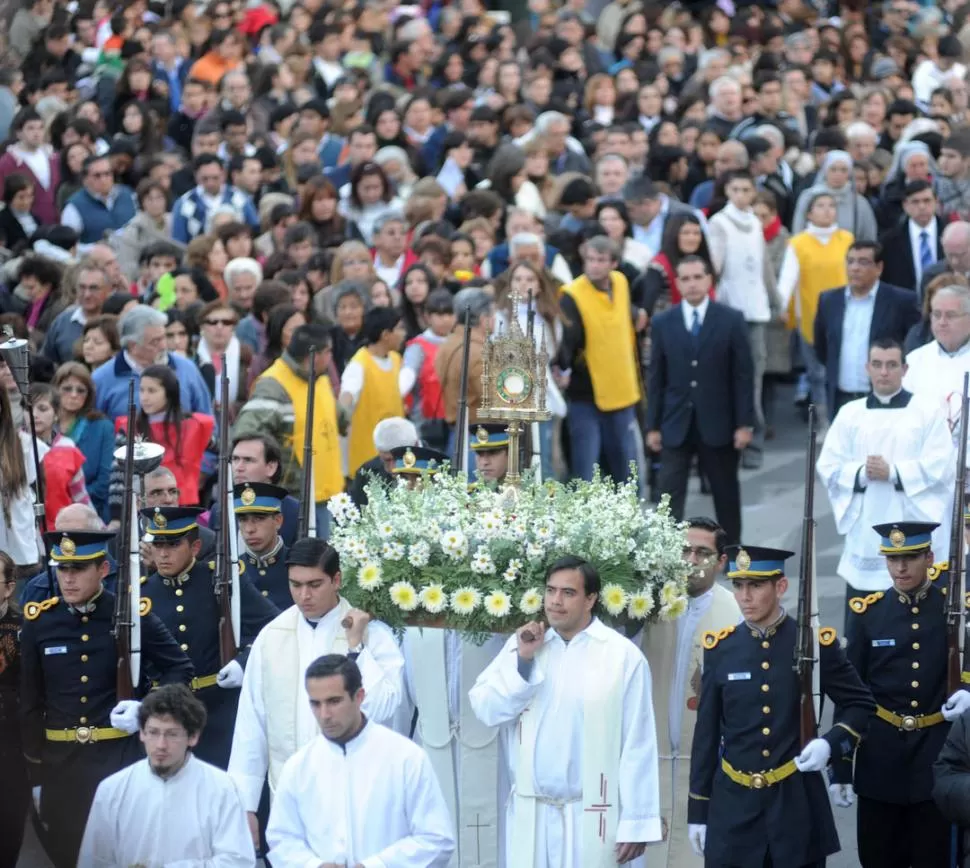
(354, 652)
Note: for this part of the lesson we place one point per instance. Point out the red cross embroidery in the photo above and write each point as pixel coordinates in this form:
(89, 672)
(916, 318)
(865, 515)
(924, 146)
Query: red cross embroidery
(601, 808)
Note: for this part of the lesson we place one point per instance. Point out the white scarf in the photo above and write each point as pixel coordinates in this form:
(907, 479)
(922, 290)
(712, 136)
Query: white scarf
(822, 234)
(232, 363)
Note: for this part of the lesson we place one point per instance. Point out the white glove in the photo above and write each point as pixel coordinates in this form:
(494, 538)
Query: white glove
(843, 795)
(35, 793)
(231, 675)
(697, 835)
(125, 715)
(815, 757)
(956, 705)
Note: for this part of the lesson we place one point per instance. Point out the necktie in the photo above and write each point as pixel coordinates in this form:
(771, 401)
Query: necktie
(695, 325)
(925, 255)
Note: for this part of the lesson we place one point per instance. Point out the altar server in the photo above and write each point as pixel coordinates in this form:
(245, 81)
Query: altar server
(169, 808)
(583, 750)
(887, 456)
(358, 794)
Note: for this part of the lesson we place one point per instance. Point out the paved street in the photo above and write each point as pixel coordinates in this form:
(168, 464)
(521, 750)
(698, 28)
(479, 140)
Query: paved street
(772, 499)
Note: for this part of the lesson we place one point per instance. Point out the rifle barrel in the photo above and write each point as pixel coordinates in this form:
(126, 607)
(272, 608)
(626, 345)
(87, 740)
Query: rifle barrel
(123, 614)
(461, 418)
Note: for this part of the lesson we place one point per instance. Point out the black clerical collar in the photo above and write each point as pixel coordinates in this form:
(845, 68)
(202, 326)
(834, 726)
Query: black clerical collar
(353, 737)
(896, 402)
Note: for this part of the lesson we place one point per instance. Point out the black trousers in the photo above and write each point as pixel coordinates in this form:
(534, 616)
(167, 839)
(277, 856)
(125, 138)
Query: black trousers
(14, 802)
(719, 464)
(902, 836)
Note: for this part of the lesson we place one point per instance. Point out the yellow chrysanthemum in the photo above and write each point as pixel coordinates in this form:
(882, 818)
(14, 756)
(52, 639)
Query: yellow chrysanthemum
(668, 593)
(640, 605)
(531, 602)
(614, 599)
(498, 604)
(464, 601)
(404, 596)
(433, 598)
(370, 576)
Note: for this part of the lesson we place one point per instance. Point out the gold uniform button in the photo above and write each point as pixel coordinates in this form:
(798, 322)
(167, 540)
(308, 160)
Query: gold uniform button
(184, 647)
(765, 665)
(766, 709)
(82, 720)
(178, 592)
(914, 684)
(766, 731)
(764, 688)
(84, 658)
(85, 619)
(766, 753)
(916, 626)
(262, 572)
(914, 704)
(84, 699)
(765, 644)
(915, 665)
(84, 679)
(265, 593)
(182, 628)
(915, 610)
(916, 646)
(180, 608)
(84, 637)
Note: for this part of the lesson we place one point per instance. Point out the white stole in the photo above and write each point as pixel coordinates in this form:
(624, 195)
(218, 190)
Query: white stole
(232, 365)
(602, 743)
(283, 682)
(473, 805)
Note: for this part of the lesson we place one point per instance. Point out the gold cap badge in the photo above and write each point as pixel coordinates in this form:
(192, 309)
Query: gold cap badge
(160, 521)
(248, 497)
(481, 435)
(897, 537)
(743, 560)
(409, 459)
(67, 546)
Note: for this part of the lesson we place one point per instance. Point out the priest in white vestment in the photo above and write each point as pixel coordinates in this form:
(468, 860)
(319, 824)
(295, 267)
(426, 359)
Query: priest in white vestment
(582, 744)
(675, 653)
(359, 794)
(170, 810)
(887, 457)
(467, 756)
(274, 718)
(936, 369)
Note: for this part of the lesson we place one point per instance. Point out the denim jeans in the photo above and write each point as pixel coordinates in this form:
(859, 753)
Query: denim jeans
(593, 432)
(816, 377)
(323, 521)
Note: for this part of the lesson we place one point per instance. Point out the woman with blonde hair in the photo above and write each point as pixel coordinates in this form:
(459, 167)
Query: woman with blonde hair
(599, 98)
(352, 261)
(534, 288)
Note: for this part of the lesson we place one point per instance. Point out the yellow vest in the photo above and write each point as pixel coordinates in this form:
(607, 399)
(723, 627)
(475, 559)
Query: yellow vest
(820, 267)
(328, 478)
(610, 350)
(379, 399)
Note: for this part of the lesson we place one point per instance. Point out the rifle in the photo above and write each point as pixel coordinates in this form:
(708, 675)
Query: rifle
(460, 459)
(227, 572)
(806, 648)
(308, 512)
(127, 542)
(955, 624)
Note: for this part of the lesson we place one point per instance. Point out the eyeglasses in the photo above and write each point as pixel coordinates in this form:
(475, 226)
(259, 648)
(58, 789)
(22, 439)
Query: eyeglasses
(221, 322)
(88, 287)
(946, 315)
(356, 262)
(105, 174)
(74, 390)
(699, 551)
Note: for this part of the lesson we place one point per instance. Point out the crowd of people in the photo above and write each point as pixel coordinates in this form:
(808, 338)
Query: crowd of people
(688, 205)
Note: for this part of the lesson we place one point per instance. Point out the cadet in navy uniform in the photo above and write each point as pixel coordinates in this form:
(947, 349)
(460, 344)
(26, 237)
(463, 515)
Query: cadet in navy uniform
(755, 801)
(897, 643)
(75, 732)
(183, 594)
(489, 444)
(259, 514)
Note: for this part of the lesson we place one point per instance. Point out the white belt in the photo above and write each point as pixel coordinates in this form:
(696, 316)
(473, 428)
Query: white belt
(554, 803)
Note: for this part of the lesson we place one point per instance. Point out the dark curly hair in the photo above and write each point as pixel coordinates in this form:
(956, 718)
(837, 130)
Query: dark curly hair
(175, 701)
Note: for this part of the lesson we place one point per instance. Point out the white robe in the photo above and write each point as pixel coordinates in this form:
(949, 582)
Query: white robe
(501, 695)
(192, 820)
(373, 801)
(381, 667)
(915, 441)
(937, 376)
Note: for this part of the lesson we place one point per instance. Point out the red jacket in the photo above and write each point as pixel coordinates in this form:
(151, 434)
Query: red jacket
(45, 206)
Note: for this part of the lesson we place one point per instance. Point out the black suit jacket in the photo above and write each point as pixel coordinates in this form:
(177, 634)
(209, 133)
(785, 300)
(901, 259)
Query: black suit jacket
(709, 380)
(894, 313)
(898, 254)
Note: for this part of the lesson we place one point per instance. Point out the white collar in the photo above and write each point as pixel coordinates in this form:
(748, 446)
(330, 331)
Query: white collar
(689, 309)
(888, 398)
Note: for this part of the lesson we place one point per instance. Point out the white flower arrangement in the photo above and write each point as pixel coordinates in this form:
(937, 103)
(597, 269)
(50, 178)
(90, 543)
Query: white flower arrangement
(474, 559)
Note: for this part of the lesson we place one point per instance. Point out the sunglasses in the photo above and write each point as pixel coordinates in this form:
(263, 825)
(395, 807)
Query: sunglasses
(74, 390)
(222, 322)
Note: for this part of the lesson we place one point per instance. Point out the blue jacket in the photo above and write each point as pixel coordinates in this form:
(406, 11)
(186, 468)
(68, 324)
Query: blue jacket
(339, 175)
(432, 149)
(96, 439)
(498, 257)
(111, 386)
(61, 337)
(707, 381)
(894, 313)
(98, 218)
(190, 215)
(330, 150)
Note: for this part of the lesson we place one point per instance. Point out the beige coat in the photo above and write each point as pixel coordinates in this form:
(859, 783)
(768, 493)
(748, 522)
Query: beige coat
(659, 644)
